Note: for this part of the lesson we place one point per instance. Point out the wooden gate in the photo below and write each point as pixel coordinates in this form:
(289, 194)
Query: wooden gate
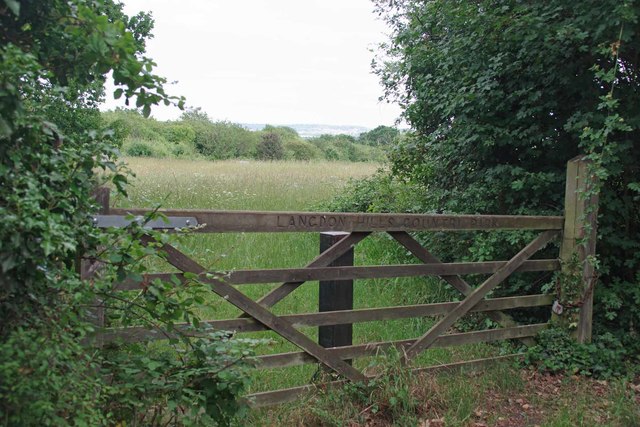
(259, 316)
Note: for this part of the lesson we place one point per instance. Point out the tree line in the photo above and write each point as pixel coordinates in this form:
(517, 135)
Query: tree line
(195, 135)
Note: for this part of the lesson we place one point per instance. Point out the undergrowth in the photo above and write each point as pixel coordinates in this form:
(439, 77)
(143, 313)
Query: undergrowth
(557, 351)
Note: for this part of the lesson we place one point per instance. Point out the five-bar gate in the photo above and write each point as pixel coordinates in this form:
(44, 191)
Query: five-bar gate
(258, 315)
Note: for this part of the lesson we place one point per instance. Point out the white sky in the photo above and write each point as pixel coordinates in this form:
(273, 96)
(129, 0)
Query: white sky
(275, 61)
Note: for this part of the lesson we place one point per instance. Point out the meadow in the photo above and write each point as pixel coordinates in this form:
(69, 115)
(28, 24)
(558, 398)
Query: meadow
(307, 186)
(293, 186)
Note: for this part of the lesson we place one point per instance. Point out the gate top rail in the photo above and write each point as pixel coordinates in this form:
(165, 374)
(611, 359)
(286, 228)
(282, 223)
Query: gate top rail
(211, 221)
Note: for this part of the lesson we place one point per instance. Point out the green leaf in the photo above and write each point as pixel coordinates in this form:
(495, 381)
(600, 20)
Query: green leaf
(14, 6)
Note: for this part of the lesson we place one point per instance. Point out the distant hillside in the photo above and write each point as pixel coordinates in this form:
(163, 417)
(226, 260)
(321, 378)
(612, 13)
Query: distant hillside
(310, 131)
(195, 135)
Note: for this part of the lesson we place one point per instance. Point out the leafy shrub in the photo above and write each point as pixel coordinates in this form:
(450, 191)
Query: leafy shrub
(49, 374)
(380, 136)
(138, 148)
(219, 140)
(556, 351)
(379, 193)
(300, 150)
(346, 148)
(285, 133)
(270, 147)
(45, 374)
(494, 136)
(159, 149)
(331, 154)
(183, 150)
(363, 153)
(178, 132)
(334, 147)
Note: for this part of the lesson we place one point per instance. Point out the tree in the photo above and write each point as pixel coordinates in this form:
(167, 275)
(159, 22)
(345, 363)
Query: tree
(380, 136)
(500, 94)
(270, 147)
(54, 58)
(221, 139)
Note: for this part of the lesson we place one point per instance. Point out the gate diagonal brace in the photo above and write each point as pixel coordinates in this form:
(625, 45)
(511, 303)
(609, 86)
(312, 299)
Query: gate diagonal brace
(322, 260)
(476, 296)
(420, 252)
(260, 313)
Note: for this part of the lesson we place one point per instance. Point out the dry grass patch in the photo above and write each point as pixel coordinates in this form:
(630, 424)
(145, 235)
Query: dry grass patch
(500, 396)
(239, 184)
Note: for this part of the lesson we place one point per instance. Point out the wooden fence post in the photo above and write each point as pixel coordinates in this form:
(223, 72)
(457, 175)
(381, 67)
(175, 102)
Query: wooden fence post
(335, 295)
(579, 239)
(88, 269)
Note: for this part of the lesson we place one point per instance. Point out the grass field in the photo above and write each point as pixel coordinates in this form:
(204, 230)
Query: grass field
(299, 186)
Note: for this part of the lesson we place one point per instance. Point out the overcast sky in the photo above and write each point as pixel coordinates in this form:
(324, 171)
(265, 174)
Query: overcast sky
(276, 61)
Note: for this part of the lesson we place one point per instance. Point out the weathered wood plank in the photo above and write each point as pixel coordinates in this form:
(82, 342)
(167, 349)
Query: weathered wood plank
(379, 272)
(579, 237)
(334, 295)
(243, 277)
(261, 314)
(131, 285)
(413, 246)
(246, 221)
(88, 269)
(466, 364)
(276, 397)
(322, 260)
(241, 325)
(284, 360)
(477, 295)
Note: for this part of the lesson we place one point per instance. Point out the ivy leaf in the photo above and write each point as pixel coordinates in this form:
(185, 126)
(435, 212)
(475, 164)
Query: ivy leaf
(634, 186)
(14, 6)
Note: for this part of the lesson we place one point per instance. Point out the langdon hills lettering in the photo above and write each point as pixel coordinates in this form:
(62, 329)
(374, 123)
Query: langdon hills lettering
(372, 222)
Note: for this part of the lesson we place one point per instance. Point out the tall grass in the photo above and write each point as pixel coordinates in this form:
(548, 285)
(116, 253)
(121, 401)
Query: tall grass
(239, 184)
(297, 186)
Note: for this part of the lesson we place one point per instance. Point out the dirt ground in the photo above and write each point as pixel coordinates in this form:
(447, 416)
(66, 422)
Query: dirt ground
(546, 398)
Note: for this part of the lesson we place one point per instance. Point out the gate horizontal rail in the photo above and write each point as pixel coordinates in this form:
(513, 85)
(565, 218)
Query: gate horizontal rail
(269, 222)
(290, 394)
(285, 360)
(246, 277)
(327, 318)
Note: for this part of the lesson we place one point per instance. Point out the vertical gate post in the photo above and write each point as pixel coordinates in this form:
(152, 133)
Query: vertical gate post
(579, 238)
(335, 295)
(87, 270)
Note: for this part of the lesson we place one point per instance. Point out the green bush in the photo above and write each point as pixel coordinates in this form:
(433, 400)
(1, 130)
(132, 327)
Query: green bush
(183, 150)
(346, 148)
(270, 147)
(500, 98)
(380, 136)
(132, 124)
(46, 374)
(379, 193)
(178, 132)
(556, 351)
(222, 140)
(300, 150)
(49, 374)
(137, 148)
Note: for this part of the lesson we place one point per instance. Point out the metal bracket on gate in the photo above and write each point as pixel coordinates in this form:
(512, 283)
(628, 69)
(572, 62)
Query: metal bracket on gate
(121, 221)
